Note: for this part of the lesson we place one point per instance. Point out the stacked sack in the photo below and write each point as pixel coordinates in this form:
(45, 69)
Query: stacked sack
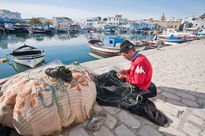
(36, 104)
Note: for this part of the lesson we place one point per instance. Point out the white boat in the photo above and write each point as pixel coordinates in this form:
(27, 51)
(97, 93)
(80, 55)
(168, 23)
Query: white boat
(170, 31)
(108, 48)
(28, 55)
(174, 39)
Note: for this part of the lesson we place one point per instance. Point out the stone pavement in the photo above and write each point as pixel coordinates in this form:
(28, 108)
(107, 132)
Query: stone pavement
(179, 74)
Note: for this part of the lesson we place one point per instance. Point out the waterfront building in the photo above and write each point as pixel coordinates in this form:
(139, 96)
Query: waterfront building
(144, 25)
(8, 16)
(164, 23)
(196, 23)
(99, 23)
(90, 21)
(62, 22)
(199, 23)
(117, 20)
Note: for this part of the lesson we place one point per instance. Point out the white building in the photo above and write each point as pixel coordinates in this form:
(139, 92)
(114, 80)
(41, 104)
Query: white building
(61, 22)
(90, 21)
(199, 23)
(194, 23)
(99, 22)
(117, 20)
(140, 24)
(8, 15)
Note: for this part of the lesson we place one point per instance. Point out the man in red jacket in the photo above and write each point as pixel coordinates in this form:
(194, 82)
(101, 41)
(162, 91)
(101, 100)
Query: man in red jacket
(140, 72)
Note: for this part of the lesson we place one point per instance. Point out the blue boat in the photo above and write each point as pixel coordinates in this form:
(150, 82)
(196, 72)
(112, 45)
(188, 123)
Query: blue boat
(112, 41)
(109, 47)
(175, 39)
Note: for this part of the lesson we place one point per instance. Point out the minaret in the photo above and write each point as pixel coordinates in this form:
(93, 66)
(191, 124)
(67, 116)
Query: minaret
(162, 18)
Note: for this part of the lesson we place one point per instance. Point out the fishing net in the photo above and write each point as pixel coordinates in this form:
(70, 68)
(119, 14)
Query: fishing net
(112, 91)
(36, 104)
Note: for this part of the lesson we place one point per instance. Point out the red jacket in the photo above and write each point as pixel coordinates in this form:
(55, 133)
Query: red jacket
(140, 72)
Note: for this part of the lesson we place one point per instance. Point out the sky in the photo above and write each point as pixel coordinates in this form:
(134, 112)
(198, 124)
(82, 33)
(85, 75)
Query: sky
(80, 9)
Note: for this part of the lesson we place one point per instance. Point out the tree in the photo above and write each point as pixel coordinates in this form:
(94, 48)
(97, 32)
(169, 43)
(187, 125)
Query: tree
(48, 23)
(35, 21)
(17, 21)
(202, 16)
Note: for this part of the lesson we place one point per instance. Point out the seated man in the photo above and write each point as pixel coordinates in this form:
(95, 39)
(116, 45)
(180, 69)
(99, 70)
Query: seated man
(140, 72)
(130, 89)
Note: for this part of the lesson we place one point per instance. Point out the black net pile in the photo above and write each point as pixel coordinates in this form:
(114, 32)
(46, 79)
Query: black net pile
(112, 91)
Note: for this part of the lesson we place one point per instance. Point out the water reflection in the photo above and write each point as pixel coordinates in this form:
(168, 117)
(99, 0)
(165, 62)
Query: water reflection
(3, 42)
(67, 47)
(15, 38)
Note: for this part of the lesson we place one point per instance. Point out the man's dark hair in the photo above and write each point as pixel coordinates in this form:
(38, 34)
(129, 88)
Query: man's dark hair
(126, 45)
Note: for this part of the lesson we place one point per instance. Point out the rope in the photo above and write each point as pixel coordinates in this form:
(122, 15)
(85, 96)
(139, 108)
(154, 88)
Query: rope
(54, 91)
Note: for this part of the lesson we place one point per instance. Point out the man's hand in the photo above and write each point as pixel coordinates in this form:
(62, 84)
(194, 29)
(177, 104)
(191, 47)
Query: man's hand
(122, 72)
(121, 76)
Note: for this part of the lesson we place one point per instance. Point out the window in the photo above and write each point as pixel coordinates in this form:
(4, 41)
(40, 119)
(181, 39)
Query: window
(111, 42)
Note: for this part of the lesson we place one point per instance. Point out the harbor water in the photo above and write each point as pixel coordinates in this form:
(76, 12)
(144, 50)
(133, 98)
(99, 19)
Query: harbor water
(64, 48)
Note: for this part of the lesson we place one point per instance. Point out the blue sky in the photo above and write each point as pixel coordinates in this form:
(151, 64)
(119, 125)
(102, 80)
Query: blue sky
(79, 9)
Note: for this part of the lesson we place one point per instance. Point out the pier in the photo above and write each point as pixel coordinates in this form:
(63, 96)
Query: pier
(179, 74)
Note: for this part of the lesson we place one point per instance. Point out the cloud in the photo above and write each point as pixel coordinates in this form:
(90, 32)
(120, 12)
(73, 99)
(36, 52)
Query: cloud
(37, 10)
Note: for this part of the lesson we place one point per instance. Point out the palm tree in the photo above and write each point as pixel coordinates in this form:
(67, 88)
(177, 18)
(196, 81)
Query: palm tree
(17, 21)
(48, 23)
(202, 16)
(35, 21)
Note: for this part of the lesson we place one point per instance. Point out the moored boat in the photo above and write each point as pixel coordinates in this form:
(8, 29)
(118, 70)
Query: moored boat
(38, 31)
(110, 46)
(28, 55)
(175, 39)
(170, 31)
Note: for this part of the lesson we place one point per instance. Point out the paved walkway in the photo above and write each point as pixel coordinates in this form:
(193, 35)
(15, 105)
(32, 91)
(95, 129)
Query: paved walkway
(179, 74)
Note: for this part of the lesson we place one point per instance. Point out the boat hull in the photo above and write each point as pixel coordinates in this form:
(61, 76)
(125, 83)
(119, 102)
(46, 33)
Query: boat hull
(28, 55)
(181, 40)
(105, 51)
(29, 62)
(39, 31)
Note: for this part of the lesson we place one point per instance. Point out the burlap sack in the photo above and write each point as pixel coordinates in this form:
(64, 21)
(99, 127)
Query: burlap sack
(22, 97)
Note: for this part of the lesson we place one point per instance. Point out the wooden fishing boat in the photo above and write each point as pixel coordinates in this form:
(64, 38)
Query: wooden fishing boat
(28, 55)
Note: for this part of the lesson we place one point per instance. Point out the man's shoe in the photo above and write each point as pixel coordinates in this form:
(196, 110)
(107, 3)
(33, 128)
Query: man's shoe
(52, 72)
(60, 73)
(65, 74)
